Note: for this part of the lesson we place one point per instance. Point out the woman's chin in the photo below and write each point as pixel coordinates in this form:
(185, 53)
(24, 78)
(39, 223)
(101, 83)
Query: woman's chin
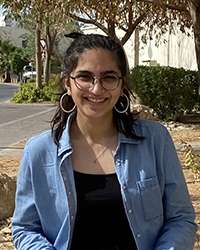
(94, 113)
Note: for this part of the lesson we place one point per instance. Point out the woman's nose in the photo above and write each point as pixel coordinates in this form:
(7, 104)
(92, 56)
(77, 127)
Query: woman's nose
(97, 87)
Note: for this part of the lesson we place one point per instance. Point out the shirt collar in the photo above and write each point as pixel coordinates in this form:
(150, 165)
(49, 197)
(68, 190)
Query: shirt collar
(125, 139)
(64, 142)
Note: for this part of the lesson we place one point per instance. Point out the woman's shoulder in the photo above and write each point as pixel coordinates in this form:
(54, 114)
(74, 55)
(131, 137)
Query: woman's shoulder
(40, 142)
(144, 127)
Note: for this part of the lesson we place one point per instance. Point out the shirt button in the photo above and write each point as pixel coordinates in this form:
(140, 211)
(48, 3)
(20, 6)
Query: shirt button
(124, 186)
(69, 193)
(72, 217)
(138, 235)
(130, 211)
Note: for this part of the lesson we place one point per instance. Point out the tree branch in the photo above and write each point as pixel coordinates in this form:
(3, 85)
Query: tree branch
(180, 8)
(111, 29)
(132, 27)
(89, 21)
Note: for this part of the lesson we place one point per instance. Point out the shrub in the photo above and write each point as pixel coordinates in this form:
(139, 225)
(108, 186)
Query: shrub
(28, 92)
(169, 91)
(52, 89)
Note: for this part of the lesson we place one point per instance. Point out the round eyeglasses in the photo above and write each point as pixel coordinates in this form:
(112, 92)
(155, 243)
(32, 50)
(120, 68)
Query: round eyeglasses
(85, 82)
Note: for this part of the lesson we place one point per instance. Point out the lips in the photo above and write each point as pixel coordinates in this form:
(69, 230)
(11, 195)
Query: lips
(95, 100)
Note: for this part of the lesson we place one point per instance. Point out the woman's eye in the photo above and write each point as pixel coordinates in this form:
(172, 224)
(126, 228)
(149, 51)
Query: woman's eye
(109, 78)
(84, 78)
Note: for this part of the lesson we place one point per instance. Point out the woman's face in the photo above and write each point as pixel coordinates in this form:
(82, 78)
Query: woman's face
(95, 102)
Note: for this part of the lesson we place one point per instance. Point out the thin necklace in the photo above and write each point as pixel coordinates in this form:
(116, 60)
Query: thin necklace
(99, 155)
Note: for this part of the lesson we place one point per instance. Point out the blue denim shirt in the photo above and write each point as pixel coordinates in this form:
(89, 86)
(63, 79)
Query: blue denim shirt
(153, 189)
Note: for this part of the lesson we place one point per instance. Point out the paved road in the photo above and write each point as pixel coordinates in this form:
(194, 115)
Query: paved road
(21, 121)
(7, 91)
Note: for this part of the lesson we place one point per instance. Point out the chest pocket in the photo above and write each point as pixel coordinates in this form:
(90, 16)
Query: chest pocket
(151, 198)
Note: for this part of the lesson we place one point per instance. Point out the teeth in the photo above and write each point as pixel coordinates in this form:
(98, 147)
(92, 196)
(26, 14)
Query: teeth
(95, 100)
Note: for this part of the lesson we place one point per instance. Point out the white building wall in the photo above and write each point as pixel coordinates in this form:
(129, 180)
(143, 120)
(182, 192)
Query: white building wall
(178, 50)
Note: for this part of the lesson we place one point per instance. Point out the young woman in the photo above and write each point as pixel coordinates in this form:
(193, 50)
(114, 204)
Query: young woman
(101, 179)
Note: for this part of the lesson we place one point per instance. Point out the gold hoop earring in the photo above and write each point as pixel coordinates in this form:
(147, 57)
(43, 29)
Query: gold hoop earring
(126, 107)
(61, 104)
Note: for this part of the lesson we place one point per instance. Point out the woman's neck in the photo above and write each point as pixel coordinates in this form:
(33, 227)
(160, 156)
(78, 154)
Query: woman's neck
(94, 130)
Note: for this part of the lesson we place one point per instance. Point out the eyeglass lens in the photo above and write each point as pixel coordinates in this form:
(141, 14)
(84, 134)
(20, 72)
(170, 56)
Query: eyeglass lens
(106, 81)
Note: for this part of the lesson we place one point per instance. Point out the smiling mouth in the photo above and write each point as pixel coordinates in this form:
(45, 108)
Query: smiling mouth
(95, 100)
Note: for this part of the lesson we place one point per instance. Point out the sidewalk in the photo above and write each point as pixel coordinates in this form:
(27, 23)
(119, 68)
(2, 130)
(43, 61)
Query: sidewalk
(13, 150)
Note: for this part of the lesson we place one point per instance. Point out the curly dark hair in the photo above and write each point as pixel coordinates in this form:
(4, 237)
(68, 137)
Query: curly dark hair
(82, 42)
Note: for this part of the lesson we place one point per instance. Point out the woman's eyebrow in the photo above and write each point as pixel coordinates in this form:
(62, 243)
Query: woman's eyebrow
(83, 72)
(101, 73)
(109, 72)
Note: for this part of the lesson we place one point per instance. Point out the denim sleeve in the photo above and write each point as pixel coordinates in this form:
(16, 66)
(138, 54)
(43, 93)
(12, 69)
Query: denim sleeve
(179, 230)
(26, 228)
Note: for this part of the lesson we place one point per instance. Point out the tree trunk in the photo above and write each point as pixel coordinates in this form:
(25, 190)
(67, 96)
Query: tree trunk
(194, 6)
(7, 76)
(47, 66)
(38, 54)
(112, 31)
(136, 47)
(49, 45)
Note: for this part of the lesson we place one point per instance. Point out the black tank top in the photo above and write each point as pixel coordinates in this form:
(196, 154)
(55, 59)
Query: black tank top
(101, 222)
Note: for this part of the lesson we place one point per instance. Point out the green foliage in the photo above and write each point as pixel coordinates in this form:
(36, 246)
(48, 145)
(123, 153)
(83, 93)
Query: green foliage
(28, 92)
(6, 49)
(11, 58)
(29, 49)
(169, 91)
(52, 89)
(18, 61)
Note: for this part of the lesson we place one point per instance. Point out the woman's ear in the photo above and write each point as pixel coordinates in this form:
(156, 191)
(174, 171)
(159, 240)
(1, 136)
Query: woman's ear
(67, 86)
